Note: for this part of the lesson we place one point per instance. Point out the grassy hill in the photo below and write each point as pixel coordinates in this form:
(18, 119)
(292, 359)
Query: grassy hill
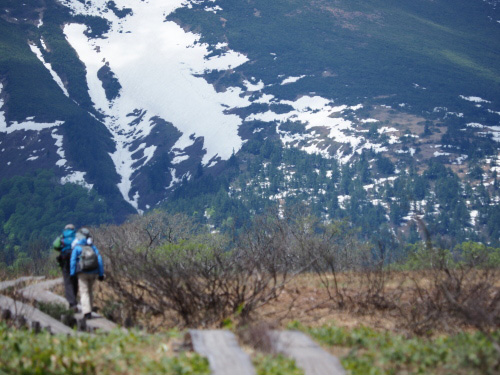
(351, 50)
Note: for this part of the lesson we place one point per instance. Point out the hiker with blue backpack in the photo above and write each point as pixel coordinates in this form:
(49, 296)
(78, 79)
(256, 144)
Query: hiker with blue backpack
(62, 244)
(86, 265)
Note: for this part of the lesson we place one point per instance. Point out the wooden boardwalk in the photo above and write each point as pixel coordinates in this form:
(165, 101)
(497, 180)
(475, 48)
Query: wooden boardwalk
(98, 322)
(34, 316)
(10, 283)
(41, 292)
(222, 351)
(308, 355)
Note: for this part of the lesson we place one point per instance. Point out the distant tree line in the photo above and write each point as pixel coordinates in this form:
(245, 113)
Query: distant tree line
(34, 209)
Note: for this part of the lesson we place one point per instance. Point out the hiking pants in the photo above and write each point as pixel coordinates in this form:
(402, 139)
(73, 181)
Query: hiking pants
(85, 284)
(70, 283)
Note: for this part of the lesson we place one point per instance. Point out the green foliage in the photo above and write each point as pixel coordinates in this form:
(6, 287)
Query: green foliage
(419, 256)
(424, 257)
(29, 84)
(478, 254)
(197, 249)
(55, 310)
(109, 82)
(115, 353)
(385, 165)
(374, 352)
(275, 365)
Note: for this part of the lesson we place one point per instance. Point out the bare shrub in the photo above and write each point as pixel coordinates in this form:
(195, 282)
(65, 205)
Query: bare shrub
(375, 273)
(161, 264)
(258, 336)
(454, 290)
(352, 273)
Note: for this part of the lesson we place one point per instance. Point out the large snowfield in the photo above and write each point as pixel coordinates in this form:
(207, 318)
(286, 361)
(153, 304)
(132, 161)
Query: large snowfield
(158, 65)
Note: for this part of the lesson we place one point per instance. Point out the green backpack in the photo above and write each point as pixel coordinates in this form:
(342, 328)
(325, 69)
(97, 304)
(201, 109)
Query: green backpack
(88, 259)
(57, 245)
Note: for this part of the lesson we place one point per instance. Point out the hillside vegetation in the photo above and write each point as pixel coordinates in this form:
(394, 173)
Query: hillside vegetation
(426, 310)
(33, 211)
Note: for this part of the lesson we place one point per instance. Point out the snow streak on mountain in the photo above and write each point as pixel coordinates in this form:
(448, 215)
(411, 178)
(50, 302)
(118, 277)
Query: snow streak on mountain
(156, 63)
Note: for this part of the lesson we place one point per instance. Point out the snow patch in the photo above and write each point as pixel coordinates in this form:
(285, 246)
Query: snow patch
(386, 129)
(60, 151)
(213, 9)
(495, 131)
(291, 80)
(460, 160)
(473, 217)
(457, 114)
(474, 99)
(417, 86)
(254, 86)
(475, 125)
(315, 112)
(76, 178)
(343, 199)
(179, 159)
(438, 153)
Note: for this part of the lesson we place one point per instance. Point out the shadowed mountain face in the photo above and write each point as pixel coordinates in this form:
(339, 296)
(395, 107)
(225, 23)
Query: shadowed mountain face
(135, 99)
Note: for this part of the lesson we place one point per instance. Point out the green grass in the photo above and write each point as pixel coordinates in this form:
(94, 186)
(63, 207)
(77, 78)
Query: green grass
(378, 353)
(275, 365)
(115, 353)
(55, 310)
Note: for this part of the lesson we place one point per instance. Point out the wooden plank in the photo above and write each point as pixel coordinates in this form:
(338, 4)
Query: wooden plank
(32, 314)
(40, 292)
(97, 322)
(221, 349)
(10, 283)
(308, 355)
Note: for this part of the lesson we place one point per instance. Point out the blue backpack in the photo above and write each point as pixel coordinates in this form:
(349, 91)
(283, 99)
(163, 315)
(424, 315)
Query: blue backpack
(67, 238)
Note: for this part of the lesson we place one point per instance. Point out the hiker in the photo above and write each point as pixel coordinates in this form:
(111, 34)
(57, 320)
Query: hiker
(86, 265)
(63, 244)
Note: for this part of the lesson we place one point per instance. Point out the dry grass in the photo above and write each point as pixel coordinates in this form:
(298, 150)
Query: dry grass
(306, 299)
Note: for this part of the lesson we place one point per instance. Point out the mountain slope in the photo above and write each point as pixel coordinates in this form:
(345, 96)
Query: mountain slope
(135, 98)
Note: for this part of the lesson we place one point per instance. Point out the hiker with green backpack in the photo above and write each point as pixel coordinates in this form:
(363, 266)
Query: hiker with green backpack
(62, 244)
(86, 264)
